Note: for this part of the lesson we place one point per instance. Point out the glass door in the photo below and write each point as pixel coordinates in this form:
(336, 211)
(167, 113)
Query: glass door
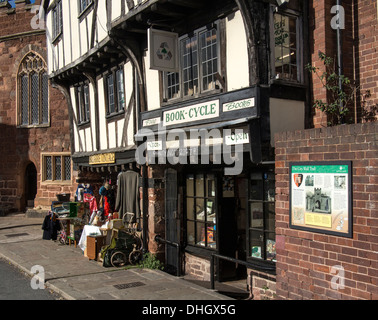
(261, 238)
(201, 213)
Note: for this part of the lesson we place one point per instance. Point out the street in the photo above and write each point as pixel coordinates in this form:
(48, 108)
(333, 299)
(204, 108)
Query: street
(16, 285)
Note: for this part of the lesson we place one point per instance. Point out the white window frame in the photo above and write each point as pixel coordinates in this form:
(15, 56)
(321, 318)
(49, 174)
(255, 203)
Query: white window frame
(199, 75)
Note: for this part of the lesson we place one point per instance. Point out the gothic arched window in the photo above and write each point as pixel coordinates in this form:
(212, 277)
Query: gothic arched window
(33, 91)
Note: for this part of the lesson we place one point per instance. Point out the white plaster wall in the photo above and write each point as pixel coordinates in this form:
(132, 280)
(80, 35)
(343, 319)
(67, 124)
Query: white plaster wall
(50, 52)
(67, 32)
(129, 76)
(102, 115)
(92, 114)
(75, 33)
(88, 140)
(112, 136)
(152, 85)
(101, 21)
(116, 9)
(237, 53)
(75, 129)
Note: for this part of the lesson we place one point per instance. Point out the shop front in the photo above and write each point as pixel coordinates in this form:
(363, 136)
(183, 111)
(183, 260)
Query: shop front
(104, 220)
(219, 183)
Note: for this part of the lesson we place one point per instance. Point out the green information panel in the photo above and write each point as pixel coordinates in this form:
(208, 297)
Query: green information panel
(321, 197)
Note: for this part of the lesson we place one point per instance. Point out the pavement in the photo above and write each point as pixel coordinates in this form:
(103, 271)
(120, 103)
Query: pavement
(73, 276)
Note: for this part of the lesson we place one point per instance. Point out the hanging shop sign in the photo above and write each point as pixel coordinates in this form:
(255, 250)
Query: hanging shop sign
(321, 197)
(102, 158)
(201, 111)
(163, 50)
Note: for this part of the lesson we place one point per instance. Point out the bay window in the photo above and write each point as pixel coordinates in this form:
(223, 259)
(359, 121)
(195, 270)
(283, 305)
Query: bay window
(199, 64)
(287, 43)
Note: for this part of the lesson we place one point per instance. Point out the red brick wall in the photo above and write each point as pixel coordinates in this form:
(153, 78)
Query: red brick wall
(18, 147)
(367, 58)
(305, 259)
(360, 54)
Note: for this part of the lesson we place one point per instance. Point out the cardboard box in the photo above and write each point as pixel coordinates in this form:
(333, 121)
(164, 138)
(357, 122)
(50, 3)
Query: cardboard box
(116, 224)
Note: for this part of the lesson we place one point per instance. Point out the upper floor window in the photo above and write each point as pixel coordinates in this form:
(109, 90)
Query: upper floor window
(84, 4)
(115, 90)
(287, 46)
(33, 91)
(199, 64)
(57, 20)
(83, 103)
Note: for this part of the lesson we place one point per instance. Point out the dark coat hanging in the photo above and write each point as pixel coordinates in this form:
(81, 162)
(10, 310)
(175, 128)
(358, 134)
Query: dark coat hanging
(50, 227)
(127, 201)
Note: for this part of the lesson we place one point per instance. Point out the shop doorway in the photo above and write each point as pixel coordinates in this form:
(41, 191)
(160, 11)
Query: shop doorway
(30, 185)
(232, 228)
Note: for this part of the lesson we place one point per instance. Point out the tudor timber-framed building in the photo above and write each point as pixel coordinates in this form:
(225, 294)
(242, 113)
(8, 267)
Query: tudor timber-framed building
(240, 66)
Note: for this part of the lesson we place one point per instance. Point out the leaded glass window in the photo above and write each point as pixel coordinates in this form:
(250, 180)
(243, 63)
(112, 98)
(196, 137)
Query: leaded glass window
(67, 168)
(56, 167)
(57, 20)
(33, 88)
(48, 168)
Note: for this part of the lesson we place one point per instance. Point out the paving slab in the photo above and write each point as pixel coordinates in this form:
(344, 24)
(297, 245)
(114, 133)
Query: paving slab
(75, 277)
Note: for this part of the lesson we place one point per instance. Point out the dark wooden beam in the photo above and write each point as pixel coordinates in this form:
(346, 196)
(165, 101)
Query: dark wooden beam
(169, 10)
(188, 3)
(109, 49)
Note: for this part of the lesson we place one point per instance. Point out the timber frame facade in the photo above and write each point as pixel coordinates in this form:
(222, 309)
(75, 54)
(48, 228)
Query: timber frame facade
(231, 52)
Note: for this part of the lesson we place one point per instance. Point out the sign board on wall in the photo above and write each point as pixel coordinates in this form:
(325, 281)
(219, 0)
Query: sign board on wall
(201, 111)
(163, 50)
(103, 158)
(321, 197)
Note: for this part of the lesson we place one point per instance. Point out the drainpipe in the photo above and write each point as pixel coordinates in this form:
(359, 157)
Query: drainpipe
(340, 63)
(145, 207)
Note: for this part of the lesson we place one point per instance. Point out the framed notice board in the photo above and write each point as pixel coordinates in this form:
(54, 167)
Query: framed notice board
(321, 197)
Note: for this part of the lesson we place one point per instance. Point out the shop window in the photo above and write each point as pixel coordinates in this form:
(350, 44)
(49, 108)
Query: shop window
(287, 46)
(115, 91)
(82, 103)
(56, 168)
(84, 4)
(261, 217)
(199, 65)
(33, 105)
(201, 212)
(57, 20)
